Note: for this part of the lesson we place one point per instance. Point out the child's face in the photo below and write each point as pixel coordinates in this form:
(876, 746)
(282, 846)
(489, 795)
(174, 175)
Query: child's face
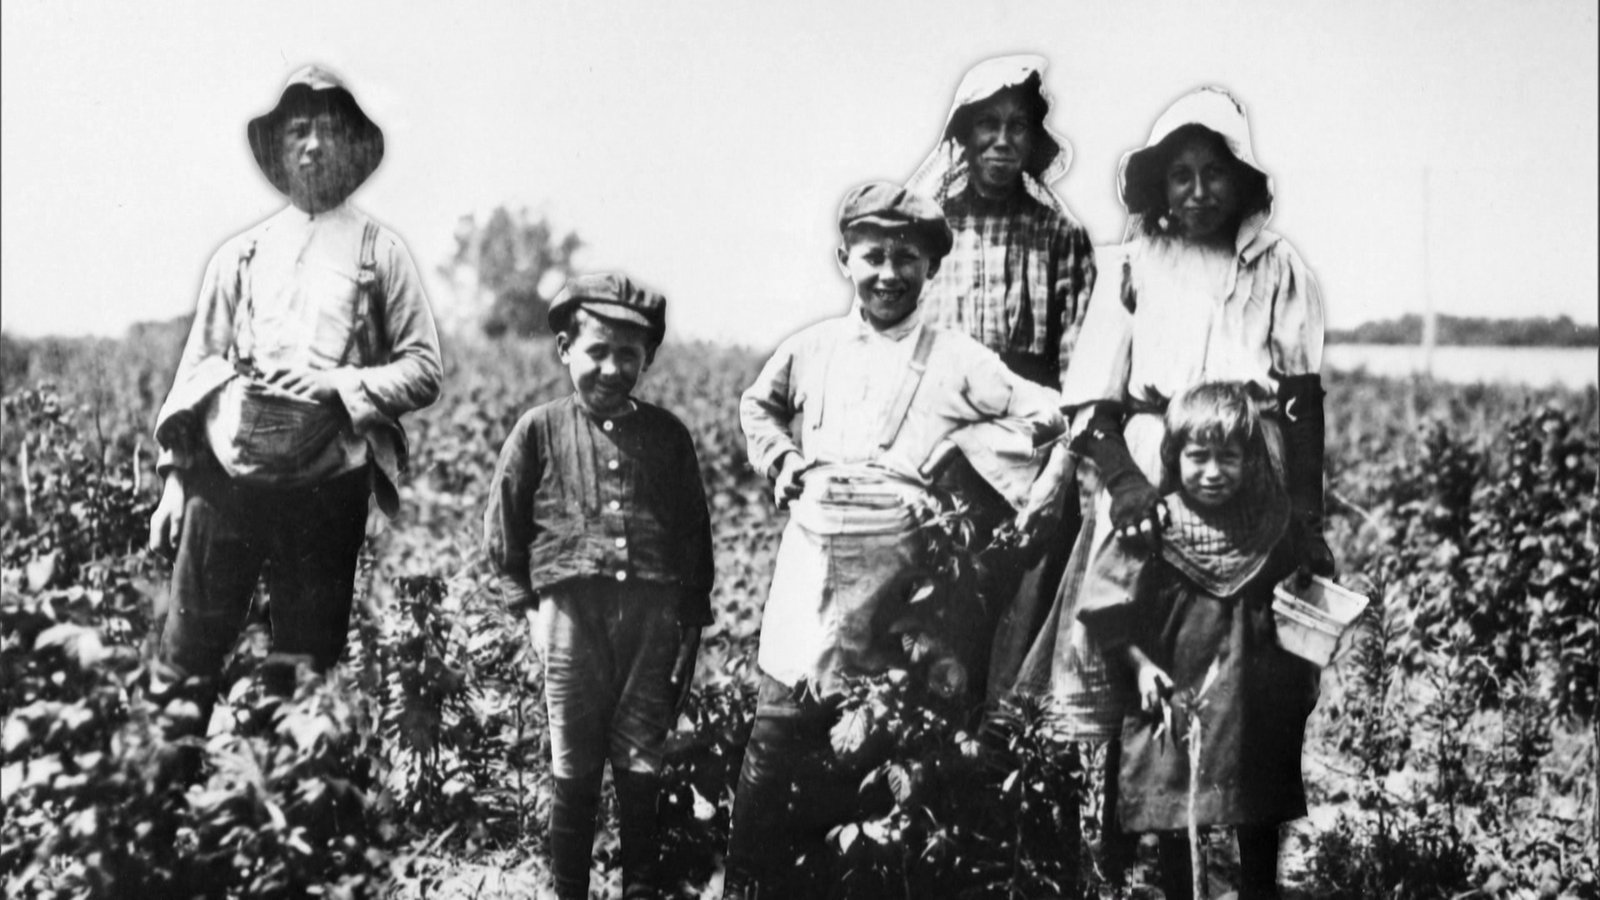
(605, 361)
(1203, 190)
(1211, 473)
(317, 154)
(889, 269)
(1000, 142)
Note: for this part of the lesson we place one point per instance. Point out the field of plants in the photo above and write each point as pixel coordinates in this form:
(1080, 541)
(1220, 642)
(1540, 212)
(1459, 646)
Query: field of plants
(1452, 754)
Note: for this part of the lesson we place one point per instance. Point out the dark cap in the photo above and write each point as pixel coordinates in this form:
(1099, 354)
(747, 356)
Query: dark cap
(891, 206)
(612, 296)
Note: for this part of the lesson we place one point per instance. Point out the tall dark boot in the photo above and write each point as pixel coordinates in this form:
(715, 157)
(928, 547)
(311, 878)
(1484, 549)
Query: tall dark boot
(573, 805)
(1258, 862)
(637, 797)
(1177, 872)
(1117, 847)
(1304, 436)
(758, 840)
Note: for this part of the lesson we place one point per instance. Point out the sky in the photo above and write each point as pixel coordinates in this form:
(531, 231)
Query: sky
(1441, 150)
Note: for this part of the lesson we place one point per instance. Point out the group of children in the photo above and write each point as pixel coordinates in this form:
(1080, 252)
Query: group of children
(598, 526)
(312, 338)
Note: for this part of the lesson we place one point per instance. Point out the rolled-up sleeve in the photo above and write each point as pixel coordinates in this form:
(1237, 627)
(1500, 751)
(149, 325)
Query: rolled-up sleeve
(508, 522)
(1022, 406)
(203, 367)
(767, 408)
(1012, 418)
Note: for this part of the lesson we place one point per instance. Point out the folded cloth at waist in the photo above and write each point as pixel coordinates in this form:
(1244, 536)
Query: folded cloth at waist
(859, 498)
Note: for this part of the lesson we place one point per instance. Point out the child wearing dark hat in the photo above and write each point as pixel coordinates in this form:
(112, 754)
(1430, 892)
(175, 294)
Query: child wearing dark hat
(848, 419)
(597, 524)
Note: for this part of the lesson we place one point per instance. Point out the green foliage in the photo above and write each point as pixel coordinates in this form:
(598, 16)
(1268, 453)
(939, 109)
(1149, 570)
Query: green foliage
(1477, 666)
(70, 502)
(421, 767)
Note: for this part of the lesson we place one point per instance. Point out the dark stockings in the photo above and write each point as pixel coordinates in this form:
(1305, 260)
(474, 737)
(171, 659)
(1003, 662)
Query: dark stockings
(573, 805)
(1258, 864)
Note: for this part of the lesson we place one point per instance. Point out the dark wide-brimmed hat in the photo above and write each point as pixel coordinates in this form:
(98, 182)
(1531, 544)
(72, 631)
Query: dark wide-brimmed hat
(891, 206)
(612, 296)
(314, 85)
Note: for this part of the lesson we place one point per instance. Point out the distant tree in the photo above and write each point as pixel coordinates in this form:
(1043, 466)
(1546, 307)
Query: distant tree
(507, 270)
(1464, 331)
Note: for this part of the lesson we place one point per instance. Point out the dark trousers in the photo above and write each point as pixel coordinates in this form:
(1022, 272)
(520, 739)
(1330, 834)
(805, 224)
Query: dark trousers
(609, 649)
(308, 539)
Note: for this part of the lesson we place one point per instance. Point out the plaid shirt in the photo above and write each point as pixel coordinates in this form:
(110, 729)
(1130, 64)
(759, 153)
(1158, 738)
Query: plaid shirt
(1018, 280)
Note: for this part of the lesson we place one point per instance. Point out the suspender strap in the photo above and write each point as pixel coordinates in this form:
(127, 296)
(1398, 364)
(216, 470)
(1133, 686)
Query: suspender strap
(908, 388)
(244, 308)
(367, 328)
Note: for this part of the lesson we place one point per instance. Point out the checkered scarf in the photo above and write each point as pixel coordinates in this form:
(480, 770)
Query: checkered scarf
(1221, 549)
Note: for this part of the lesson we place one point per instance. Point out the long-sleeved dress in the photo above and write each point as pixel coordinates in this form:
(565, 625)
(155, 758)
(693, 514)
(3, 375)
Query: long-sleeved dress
(1201, 610)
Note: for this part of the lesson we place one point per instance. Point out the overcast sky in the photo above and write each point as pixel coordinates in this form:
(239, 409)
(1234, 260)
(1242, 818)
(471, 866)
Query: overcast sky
(1441, 147)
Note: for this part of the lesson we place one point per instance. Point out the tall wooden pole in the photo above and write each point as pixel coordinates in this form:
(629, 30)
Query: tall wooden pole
(1430, 325)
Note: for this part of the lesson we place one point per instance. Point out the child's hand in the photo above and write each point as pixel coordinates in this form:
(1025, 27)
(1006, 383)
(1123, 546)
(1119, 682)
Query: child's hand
(1154, 687)
(683, 666)
(307, 383)
(787, 486)
(1142, 530)
(166, 523)
(539, 619)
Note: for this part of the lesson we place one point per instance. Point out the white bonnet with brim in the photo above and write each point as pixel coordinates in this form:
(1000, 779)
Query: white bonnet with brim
(1211, 108)
(944, 172)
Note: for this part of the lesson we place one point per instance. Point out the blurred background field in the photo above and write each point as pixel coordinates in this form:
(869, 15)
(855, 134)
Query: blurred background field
(1452, 753)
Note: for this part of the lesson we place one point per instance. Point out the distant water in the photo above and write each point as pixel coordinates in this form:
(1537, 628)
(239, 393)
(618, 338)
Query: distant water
(1571, 367)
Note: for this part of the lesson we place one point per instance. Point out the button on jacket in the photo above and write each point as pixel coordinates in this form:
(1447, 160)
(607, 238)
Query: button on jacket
(577, 496)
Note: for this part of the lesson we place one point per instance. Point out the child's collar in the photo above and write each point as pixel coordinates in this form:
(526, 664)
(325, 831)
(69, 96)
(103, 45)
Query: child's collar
(631, 408)
(894, 332)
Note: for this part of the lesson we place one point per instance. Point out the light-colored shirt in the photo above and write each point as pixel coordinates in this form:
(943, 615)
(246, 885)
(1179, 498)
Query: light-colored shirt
(828, 390)
(1167, 315)
(303, 283)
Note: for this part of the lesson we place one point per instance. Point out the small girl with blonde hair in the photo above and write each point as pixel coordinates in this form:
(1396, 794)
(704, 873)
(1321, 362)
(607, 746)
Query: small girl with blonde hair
(1196, 631)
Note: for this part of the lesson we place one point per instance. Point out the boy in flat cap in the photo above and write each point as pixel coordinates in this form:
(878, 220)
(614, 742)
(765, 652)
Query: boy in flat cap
(597, 524)
(847, 418)
(311, 338)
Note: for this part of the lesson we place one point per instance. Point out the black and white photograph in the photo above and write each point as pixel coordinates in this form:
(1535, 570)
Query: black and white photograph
(780, 451)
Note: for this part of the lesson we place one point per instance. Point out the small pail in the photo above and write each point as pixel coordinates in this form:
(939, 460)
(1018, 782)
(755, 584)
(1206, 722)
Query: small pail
(1311, 621)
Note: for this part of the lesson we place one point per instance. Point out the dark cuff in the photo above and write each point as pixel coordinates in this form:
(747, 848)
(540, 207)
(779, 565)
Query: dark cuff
(517, 595)
(1105, 421)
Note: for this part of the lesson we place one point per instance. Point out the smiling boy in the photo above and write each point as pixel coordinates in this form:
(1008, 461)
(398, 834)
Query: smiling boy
(598, 527)
(847, 418)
